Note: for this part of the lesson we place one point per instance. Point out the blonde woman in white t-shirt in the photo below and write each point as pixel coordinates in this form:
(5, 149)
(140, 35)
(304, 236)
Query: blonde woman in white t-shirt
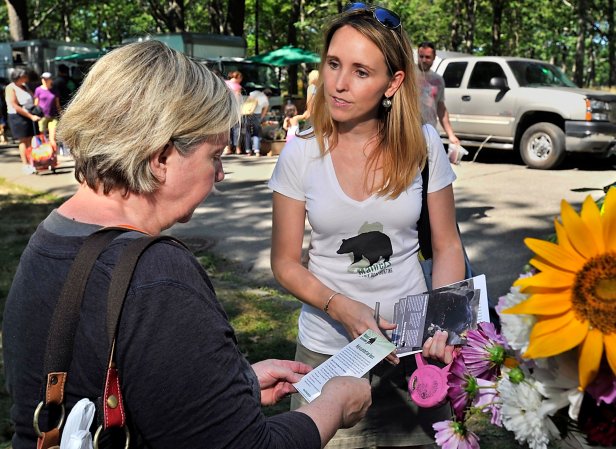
(357, 179)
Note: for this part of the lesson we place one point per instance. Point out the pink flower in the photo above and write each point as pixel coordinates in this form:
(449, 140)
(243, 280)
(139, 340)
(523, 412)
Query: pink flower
(484, 352)
(453, 435)
(603, 388)
(462, 387)
(487, 400)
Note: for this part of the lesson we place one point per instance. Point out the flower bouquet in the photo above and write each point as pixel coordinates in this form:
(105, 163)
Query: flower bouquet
(552, 369)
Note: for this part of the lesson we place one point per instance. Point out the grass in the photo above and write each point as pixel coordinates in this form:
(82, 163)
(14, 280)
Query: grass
(264, 318)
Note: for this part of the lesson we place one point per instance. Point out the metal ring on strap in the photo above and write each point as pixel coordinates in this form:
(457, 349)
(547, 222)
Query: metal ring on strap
(100, 430)
(37, 412)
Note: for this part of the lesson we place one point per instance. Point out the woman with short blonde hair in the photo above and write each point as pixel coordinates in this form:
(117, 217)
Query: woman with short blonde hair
(110, 126)
(147, 129)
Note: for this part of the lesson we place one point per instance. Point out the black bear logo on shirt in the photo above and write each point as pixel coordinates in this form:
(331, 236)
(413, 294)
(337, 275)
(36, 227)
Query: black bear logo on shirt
(371, 246)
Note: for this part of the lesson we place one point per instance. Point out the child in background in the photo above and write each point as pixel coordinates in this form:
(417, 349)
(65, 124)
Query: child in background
(291, 121)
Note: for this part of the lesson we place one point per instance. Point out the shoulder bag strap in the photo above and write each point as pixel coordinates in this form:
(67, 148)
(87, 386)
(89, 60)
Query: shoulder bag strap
(65, 318)
(423, 224)
(62, 330)
(112, 404)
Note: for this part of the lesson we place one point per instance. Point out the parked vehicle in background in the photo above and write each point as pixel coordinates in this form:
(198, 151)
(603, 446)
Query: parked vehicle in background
(38, 55)
(198, 45)
(224, 54)
(526, 105)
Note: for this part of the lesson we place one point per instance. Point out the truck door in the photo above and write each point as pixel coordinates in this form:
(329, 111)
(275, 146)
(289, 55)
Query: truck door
(484, 110)
(453, 76)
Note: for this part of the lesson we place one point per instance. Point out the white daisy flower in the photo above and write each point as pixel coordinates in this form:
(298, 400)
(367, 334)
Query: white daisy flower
(515, 328)
(557, 379)
(523, 414)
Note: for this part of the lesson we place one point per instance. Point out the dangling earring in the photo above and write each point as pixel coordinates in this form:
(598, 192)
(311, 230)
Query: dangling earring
(386, 103)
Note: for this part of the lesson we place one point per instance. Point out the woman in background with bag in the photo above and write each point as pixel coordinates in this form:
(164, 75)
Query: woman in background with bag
(146, 165)
(357, 178)
(19, 102)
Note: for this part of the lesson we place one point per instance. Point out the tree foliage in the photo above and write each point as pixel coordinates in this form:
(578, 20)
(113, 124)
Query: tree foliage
(577, 35)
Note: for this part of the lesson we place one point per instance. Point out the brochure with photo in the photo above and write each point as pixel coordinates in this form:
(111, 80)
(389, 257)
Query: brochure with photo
(455, 308)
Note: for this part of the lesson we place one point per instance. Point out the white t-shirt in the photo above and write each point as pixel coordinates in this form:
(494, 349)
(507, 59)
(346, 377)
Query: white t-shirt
(262, 100)
(24, 98)
(432, 92)
(366, 250)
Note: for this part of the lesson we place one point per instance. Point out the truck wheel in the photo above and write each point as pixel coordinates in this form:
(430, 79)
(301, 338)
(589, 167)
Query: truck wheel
(543, 146)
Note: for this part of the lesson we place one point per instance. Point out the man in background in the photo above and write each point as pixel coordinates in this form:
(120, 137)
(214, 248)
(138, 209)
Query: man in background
(64, 85)
(432, 92)
(253, 122)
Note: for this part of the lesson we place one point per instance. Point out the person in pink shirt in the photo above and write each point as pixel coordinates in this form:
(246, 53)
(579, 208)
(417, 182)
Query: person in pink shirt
(234, 82)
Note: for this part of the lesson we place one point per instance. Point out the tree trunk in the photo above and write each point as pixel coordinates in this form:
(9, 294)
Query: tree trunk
(592, 70)
(236, 13)
(456, 35)
(65, 11)
(18, 19)
(497, 20)
(292, 40)
(469, 35)
(578, 71)
(217, 19)
(169, 15)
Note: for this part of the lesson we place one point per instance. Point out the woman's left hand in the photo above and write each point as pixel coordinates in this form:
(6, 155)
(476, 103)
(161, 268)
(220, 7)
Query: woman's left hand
(276, 378)
(436, 347)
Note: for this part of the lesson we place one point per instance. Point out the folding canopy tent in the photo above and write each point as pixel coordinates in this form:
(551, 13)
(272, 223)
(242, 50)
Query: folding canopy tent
(285, 56)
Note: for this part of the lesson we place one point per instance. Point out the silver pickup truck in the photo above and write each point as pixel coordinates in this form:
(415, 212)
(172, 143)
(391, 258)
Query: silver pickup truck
(528, 105)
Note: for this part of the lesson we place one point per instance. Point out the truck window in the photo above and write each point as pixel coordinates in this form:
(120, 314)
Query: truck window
(453, 73)
(535, 73)
(483, 72)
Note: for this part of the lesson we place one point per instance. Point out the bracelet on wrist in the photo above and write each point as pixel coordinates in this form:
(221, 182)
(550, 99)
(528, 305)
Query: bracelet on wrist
(326, 306)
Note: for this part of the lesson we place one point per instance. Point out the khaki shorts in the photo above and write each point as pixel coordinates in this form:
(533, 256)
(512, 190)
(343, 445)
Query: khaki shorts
(47, 123)
(393, 419)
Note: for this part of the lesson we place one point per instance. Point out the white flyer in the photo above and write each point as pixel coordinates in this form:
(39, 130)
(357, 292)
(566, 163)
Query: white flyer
(355, 360)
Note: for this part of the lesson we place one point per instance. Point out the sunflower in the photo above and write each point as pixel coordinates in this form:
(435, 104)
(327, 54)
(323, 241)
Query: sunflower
(574, 293)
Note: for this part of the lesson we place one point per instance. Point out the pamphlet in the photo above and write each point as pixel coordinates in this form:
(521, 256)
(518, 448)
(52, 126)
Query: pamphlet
(455, 308)
(355, 360)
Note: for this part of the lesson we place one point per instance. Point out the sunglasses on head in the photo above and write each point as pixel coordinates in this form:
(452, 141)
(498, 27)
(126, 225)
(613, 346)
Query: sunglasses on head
(385, 17)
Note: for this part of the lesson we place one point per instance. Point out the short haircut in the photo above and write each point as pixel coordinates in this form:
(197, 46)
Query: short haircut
(427, 44)
(63, 68)
(290, 110)
(134, 101)
(235, 74)
(17, 73)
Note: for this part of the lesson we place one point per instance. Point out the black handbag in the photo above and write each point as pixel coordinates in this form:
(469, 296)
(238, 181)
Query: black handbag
(36, 110)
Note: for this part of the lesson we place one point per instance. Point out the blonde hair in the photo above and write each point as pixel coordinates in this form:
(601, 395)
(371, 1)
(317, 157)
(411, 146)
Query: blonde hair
(134, 101)
(401, 147)
(313, 76)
